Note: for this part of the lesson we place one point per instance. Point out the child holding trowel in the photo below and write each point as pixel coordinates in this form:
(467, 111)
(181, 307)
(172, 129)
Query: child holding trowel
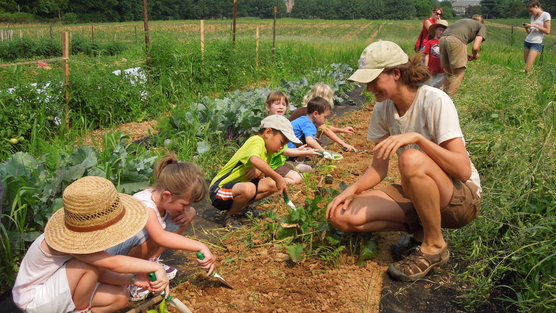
(231, 190)
(66, 269)
(277, 103)
(178, 185)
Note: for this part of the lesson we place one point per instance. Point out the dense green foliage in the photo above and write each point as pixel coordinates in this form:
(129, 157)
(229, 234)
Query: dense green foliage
(85, 11)
(508, 118)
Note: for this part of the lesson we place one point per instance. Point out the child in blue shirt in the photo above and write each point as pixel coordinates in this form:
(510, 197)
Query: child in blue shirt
(305, 127)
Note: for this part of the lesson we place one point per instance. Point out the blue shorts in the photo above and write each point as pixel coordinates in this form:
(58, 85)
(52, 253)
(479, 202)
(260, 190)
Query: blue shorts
(532, 46)
(222, 197)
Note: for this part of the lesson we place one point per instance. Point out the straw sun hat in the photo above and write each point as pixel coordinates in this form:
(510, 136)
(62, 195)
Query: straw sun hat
(94, 218)
(433, 27)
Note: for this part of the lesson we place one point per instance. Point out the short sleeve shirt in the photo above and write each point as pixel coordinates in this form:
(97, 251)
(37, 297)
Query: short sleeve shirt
(432, 114)
(432, 48)
(466, 30)
(278, 159)
(302, 128)
(239, 164)
(535, 36)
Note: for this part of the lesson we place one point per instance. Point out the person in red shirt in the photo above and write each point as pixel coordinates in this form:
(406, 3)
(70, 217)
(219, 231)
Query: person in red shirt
(436, 15)
(432, 54)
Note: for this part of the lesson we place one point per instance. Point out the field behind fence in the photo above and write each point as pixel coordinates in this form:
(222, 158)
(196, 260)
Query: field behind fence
(507, 117)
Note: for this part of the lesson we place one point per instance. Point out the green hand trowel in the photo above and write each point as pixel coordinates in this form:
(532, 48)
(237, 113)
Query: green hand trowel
(182, 308)
(214, 274)
(288, 201)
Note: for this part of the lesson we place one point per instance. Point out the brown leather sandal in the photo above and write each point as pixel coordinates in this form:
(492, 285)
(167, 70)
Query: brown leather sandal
(404, 247)
(418, 264)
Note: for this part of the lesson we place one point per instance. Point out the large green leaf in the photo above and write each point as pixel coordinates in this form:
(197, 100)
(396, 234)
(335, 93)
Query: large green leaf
(85, 155)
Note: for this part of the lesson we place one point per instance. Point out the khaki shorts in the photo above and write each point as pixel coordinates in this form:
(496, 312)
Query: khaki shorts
(462, 209)
(285, 169)
(453, 52)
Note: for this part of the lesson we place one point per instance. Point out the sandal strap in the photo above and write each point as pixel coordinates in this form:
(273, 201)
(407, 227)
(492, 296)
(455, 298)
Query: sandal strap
(419, 262)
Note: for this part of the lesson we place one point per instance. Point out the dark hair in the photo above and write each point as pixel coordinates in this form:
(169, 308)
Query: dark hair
(274, 131)
(533, 3)
(181, 179)
(318, 104)
(276, 95)
(412, 73)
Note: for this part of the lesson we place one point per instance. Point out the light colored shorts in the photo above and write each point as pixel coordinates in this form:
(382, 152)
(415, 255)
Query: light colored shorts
(453, 52)
(437, 80)
(137, 240)
(462, 209)
(54, 296)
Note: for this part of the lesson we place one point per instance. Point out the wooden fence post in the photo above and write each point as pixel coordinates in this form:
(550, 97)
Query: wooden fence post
(257, 49)
(234, 23)
(274, 36)
(93, 33)
(146, 26)
(202, 39)
(65, 70)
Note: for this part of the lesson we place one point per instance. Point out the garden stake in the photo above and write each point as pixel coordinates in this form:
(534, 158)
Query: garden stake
(288, 201)
(182, 308)
(214, 274)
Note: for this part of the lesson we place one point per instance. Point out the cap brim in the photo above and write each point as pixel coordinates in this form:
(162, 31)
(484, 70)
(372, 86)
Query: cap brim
(293, 139)
(365, 75)
(59, 237)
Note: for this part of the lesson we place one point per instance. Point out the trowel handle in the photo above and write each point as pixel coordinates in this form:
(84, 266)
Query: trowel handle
(152, 277)
(201, 256)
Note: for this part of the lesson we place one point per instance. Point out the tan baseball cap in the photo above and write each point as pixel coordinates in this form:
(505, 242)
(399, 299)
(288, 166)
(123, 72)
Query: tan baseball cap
(279, 122)
(375, 58)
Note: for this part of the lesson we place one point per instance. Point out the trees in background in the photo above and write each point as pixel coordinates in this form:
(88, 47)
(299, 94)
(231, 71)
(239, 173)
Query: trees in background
(132, 10)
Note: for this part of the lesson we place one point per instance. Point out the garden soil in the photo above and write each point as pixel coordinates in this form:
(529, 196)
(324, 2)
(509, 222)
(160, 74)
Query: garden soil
(265, 279)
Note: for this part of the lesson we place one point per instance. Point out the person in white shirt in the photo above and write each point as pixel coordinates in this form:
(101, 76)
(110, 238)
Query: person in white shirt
(440, 187)
(539, 26)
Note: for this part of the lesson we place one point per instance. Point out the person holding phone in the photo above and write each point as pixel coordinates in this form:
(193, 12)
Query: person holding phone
(536, 29)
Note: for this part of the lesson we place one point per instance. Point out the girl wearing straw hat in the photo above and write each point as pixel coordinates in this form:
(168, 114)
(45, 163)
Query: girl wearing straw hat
(66, 269)
(440, 187)
(178, 185)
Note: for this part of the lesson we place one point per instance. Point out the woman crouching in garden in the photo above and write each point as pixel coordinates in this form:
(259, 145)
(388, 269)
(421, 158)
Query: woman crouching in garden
(440, 187)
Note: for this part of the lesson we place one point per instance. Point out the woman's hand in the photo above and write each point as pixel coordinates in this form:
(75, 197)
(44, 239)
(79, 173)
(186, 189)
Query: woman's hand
(389, 146)
(340, 202)
(254, 173)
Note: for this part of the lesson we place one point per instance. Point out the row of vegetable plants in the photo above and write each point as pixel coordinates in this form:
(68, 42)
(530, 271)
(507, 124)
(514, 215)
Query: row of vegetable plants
(33, 184)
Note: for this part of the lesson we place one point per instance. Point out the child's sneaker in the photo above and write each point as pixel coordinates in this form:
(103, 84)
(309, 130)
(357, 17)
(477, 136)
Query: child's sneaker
(170, 271)
(232, 221)
(136, 293)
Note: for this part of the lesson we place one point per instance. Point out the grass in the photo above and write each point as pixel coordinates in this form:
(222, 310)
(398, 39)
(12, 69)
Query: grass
(507, 116)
